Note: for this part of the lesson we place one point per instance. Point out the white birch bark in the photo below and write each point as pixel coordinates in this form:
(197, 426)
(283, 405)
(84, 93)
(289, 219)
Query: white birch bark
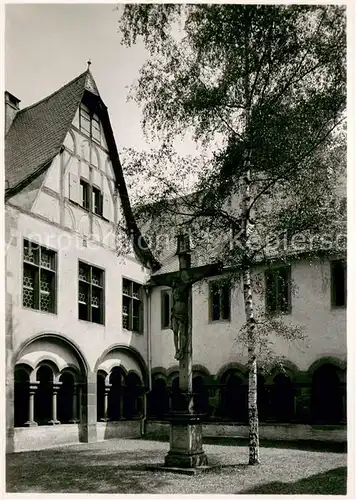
(254, 449)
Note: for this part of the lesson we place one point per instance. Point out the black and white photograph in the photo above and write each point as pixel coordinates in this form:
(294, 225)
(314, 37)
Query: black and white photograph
(175, 248)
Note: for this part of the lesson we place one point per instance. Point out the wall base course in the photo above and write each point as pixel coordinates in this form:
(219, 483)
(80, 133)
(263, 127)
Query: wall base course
(282, 432)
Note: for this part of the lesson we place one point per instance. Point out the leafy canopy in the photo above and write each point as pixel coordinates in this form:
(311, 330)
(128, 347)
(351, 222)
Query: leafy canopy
(263, 89)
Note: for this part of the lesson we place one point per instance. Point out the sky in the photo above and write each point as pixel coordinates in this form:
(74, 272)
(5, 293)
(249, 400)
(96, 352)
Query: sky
(47, 45)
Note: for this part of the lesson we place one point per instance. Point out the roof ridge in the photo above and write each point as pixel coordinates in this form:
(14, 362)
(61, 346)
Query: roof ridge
(53, 93)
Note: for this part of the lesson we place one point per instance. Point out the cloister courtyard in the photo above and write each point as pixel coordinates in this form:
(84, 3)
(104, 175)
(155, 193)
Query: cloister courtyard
(119, 466)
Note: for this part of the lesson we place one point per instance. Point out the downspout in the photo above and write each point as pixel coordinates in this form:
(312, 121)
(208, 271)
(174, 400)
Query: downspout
(149, 359)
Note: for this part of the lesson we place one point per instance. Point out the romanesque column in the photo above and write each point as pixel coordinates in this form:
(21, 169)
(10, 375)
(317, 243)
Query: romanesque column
(122, 401)
(31, 405)
(74, 419)
(55, 389)
(107, 388)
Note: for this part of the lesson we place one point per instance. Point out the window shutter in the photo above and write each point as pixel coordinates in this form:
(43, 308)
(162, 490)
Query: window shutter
(107, 206)
(74, 187)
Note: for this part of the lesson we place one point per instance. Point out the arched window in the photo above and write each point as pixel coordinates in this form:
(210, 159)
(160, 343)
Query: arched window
(158, 399)
(43, 395)
(234, 398)
(21, 396)
(282, 399)
(201, 396)
(116, 395)
(67, 399)
(133, 396)
(326, 396)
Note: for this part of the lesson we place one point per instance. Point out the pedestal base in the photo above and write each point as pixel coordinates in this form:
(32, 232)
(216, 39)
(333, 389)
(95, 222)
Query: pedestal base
(186, 442)
(192, 471)
(185, 460)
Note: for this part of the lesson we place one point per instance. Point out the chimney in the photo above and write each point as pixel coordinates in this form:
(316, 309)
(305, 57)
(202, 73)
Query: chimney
(11, 108)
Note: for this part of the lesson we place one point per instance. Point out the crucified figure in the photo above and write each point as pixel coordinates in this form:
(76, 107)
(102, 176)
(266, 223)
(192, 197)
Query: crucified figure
(181, 283)
(180, 315)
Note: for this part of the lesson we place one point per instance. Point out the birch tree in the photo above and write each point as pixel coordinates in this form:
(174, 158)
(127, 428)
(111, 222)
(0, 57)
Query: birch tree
(261, 90)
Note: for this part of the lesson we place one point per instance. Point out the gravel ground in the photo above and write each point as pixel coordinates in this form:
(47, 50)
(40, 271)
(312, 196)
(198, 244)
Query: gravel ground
(118, 466)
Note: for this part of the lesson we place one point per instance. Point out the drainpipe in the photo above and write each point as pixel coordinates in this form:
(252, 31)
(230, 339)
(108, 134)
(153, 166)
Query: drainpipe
(149, 358)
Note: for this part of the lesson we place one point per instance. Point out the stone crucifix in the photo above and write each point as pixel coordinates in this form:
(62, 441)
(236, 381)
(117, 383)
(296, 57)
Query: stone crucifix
(181, 283)
(186, 442)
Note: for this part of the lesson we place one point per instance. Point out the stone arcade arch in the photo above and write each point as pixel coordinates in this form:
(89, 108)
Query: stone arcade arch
(50, 372)
(233, 392)
(282, 398)
(234, 396)
(121, 382)
(201, 395)
(158, 401)
(21, 394)
(328, 398)
(116, 396)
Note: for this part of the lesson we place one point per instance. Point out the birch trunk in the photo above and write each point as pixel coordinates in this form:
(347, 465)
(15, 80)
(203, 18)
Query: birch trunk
(254, 450)
(254, 443)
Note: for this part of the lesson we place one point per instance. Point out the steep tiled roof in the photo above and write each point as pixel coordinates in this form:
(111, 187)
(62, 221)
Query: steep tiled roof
(38, 132)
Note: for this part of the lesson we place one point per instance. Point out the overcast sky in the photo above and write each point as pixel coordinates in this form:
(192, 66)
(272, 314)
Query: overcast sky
(48, 45)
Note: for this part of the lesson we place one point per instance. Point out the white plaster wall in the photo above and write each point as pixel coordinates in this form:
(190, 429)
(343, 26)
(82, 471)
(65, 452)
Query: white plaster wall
(52, 179)
(91, 338)
(214, 343)
(47, 206)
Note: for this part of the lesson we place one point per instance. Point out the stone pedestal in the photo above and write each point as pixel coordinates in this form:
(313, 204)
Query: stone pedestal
(186, 442)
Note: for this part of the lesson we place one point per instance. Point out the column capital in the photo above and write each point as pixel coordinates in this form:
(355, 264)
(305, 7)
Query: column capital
(33, 386)
(79, 384)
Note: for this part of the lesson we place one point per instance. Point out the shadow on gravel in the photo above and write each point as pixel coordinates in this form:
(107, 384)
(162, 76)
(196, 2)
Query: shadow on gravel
(321, 446)
(307, 445)
(332, 482)
(81, 471)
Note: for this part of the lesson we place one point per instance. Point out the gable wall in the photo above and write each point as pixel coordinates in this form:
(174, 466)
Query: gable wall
(49, 213)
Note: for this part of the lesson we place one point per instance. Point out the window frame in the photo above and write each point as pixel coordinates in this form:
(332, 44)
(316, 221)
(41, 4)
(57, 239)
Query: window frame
(95, 120)
(220, 287)
(38, 268)
(333, 263)
(86, 187)
(91, 118)
(132, 300)
(275, 272)
(91, 191)
(90, 285)
(164, 324)
(96, 190)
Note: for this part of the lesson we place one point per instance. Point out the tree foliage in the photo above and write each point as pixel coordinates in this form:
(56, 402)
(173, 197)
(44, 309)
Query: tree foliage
(295, 69)
(262, 90)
